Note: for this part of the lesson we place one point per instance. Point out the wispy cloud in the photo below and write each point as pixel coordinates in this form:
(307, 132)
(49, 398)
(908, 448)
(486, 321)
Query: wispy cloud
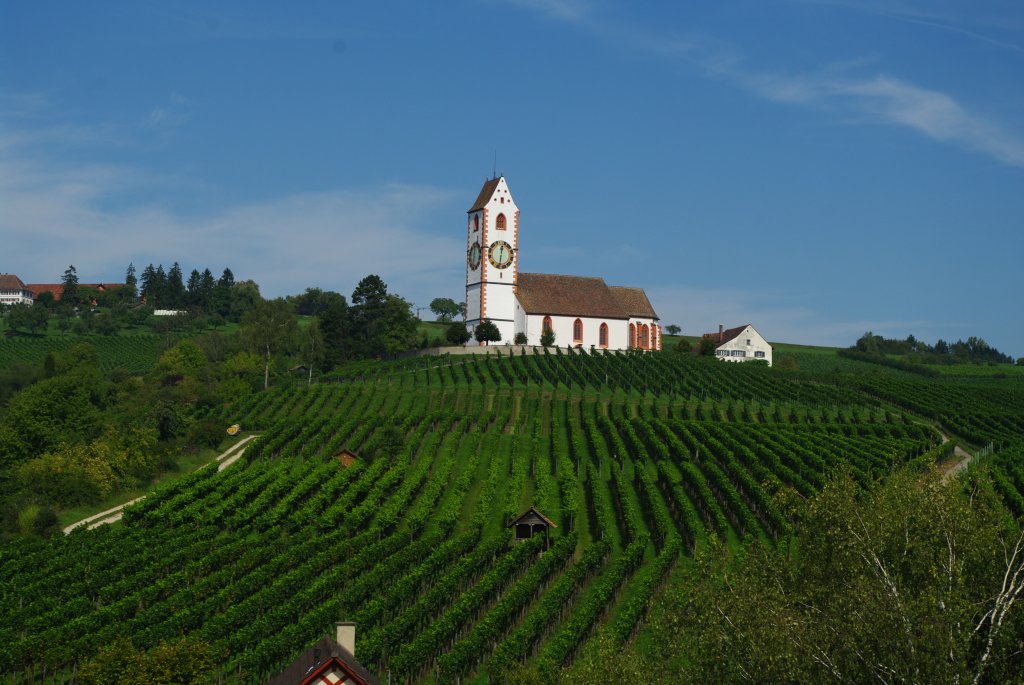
(874, 98)
(701, 310)
(883, 99)
(52, 216)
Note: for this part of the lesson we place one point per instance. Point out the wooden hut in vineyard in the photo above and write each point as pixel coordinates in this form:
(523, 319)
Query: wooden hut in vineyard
(530, 523)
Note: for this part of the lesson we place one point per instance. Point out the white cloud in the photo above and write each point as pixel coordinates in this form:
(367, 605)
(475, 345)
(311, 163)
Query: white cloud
(702, 310)
(878, 98)
(52, 216)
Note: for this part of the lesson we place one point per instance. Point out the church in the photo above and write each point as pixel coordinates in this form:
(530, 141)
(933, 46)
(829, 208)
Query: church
(582, 311)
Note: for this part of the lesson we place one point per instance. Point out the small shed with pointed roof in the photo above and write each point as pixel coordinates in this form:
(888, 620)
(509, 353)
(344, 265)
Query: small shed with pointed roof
(530, 523)
(347, 457)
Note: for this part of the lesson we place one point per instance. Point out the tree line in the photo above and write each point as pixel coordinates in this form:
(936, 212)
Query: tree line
(975, 350)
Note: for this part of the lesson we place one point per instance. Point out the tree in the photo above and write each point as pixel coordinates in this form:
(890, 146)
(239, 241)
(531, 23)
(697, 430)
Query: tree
(457, 333)
(192, 288)
(33, 317)
(148, 284)
(911, 580)
(311, 346)
(175, 288)
(520, 338)
(334, 328)
(270, 328)
(130, 290)
(379, 323)
(245, 297)
(683, 347)
(706, 347)
(444, 308)
(486, 331)
(547, 337)
(673, 329)
(220, 300)
(183, 662)
(69, 291)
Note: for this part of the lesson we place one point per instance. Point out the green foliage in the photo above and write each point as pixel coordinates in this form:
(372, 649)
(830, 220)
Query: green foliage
(706, 347)
(673, 329)
(486, 331)
(182, 662)
(547, 338)
(445, 308)
(32, 318)
(520, 338)
(885, 585)
(457, 333)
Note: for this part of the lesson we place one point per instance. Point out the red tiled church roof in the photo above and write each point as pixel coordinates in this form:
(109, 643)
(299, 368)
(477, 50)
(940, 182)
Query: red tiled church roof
(589, 296)
(568, 296)
(634, 301)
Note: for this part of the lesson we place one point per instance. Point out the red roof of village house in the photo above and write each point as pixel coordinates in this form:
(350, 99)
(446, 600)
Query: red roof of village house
(11, 282)
(57, 289)
(726, 335)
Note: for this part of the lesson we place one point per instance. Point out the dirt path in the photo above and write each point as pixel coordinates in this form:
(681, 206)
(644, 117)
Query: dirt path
(963, 458)
(225, 459)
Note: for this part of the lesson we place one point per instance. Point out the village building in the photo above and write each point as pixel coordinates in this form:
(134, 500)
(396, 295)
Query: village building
(13, 291)
(328, 662)
(581, 311)
(740, 344)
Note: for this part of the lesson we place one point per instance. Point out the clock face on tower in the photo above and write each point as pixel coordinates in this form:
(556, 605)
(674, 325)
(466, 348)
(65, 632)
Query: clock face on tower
(499, 254)
(474, 256)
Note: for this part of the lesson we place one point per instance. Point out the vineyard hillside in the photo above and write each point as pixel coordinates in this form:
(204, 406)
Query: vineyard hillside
(640, 460)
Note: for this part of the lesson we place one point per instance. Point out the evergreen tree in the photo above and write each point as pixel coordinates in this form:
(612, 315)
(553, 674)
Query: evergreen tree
(220, 300)
(149, 284)
(334, 327)
(160, 288)
(206, 286)
(175, 288)
(130, 291)
(193, 287)
(69, 294)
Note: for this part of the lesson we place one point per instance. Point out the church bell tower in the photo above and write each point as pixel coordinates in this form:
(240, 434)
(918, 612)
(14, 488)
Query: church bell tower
(492, 259)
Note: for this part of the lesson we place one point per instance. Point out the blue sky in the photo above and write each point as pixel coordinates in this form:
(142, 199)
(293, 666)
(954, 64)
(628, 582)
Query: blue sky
(817, 168)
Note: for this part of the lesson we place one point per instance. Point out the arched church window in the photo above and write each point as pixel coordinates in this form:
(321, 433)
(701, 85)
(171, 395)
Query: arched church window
(547, 324)
(500, 222)
(602, 335)
(644, 337)
(632, 335)
(577, 331)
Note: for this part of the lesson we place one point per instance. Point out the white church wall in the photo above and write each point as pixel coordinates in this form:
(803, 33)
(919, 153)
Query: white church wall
(618, 331)
(494, 298)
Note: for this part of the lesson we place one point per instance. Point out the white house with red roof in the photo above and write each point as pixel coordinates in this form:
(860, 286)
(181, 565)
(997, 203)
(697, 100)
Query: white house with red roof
(740, 344)
(13, 291)
(582, 311)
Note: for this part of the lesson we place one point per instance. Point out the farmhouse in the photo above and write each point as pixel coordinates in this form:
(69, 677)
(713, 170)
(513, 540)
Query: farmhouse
(581, 311)
(740, 344)
(13, 291)
(328, 662)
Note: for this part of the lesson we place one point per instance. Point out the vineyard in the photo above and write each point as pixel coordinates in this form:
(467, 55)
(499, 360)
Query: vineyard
(132, 353)
(640, 460)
